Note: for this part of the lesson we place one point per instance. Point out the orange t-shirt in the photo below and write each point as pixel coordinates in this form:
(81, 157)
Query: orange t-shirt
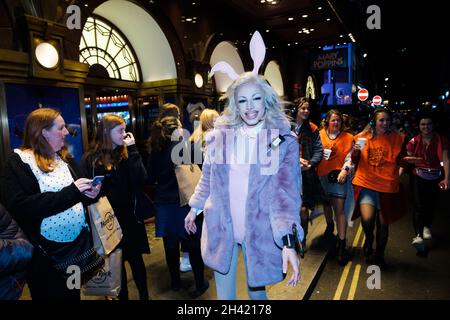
(378, 168)
(340, 147)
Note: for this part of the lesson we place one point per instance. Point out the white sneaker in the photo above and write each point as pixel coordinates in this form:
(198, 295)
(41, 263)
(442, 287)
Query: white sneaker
(427, 233)
(418, 243)
(185, 264)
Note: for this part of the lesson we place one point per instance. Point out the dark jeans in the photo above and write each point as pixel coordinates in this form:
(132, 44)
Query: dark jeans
(424, 194)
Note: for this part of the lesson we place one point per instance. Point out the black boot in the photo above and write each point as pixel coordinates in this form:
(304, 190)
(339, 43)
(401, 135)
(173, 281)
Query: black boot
(382, 239)
(367, 247)
(378, 259)
(173, 264)
(329, 231)
(343, 255)
(368, 227)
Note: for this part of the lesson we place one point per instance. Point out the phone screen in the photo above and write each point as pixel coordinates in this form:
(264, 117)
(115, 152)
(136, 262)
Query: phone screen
(97, 179)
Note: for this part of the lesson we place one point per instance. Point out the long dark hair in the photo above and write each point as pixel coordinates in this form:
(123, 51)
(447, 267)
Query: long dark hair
(161, 133)
(101, 148)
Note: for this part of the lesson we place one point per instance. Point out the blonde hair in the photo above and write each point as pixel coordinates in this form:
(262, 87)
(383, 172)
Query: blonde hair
(207, 119)
(274, 110)
(33, 139)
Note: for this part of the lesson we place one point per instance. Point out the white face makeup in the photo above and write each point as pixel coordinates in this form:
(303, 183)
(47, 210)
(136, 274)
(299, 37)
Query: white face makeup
(118, 134)
(56, 134)
(250, 103)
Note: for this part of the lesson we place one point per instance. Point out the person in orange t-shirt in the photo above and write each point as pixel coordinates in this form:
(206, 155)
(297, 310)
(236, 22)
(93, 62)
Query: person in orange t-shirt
(377, 154)
(332, 171)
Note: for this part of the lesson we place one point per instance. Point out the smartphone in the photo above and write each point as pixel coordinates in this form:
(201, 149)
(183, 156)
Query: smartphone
(96, 180)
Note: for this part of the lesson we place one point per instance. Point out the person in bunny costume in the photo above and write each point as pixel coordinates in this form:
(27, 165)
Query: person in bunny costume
(250, 186)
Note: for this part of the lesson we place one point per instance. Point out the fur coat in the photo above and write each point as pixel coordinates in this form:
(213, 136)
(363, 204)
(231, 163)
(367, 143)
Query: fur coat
(272, 206)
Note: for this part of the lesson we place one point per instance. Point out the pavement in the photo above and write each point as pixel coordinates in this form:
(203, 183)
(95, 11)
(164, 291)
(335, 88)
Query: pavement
(159, 281)
(408, 276)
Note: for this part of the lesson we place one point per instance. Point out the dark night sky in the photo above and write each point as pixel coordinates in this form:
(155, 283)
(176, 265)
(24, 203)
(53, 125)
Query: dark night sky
(412, 49)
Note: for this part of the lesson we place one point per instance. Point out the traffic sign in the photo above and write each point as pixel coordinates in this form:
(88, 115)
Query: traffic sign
(377, 100)
(363, 94)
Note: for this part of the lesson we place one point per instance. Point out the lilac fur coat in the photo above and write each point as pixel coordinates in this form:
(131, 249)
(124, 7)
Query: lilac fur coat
(272, 207)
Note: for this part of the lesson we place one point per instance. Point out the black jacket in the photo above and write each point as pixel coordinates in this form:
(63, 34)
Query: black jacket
(161, 170)
(120, 186)
(21, 195)
(15, 253)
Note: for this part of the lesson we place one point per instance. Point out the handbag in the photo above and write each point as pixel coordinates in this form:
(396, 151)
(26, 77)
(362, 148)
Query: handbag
(188, 175)
(333, 176)
(106, 230)
(143, 207)
(428, 174)
(107, 281)
(79, 252)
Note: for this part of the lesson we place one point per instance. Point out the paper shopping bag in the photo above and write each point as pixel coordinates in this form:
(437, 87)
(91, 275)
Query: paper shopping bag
(107, 282)
(106, 231)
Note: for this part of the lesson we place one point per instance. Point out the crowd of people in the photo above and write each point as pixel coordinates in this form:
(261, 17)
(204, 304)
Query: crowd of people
(46, 192)
(262, 174)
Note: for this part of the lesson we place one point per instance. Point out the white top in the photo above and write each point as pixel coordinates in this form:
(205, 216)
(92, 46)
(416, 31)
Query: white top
(64, 226)
(244, 153)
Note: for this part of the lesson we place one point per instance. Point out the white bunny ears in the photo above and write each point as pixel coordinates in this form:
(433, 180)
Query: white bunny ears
(257, 52)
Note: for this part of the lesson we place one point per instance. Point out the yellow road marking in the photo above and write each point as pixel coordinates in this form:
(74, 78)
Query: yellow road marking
(358, 234)
(354, 285)
(363, 240)
(341, 284)
(345, 272)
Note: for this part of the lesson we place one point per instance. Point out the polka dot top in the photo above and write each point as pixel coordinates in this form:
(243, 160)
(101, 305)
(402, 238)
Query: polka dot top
(64, 226)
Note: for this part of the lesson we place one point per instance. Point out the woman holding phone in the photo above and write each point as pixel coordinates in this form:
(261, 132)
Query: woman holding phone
(41, 190)
(114, 155)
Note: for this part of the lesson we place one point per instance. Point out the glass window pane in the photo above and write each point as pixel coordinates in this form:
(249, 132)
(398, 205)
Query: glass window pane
(109, 49)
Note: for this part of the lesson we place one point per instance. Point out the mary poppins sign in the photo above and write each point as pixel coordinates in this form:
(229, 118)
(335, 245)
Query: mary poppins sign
(331, 59)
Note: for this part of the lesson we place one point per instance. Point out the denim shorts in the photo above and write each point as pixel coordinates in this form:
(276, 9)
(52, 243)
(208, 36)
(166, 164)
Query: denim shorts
(371, 197)
(335, 190)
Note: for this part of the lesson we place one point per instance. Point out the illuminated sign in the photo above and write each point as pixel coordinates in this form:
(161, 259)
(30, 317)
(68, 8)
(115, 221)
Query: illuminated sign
(331, 59)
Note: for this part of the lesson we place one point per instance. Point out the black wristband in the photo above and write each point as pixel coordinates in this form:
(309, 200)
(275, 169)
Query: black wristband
(288, 241)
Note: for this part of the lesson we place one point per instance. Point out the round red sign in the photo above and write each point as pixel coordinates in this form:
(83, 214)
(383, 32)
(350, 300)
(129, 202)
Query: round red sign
(363, 94)
(376, 100)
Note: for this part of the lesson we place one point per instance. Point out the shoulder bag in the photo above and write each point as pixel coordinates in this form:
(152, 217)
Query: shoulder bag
(79, 252)
(188, 175)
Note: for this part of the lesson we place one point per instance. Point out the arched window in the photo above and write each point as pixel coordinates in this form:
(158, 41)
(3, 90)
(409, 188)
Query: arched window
(103, 45)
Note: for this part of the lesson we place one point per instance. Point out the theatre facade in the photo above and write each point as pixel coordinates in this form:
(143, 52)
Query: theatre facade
(88, 58)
